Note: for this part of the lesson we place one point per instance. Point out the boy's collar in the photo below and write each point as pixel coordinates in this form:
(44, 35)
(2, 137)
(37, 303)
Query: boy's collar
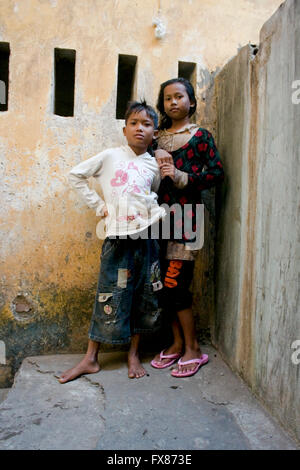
(132, 152)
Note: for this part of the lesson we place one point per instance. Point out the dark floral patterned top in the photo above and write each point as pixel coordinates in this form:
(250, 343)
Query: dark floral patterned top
(200, 151)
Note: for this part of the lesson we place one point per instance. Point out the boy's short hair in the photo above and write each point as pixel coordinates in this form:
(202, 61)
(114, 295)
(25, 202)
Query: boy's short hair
(137, 107)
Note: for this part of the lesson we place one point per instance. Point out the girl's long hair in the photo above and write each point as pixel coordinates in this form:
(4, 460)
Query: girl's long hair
(165, 121)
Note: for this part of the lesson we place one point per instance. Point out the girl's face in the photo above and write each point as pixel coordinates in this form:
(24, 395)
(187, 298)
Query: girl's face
(176, 101)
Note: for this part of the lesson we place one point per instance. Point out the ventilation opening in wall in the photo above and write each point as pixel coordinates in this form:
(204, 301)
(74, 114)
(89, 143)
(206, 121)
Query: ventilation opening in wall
(187, 70)
(126, 76)
(4, 69)
(64, 79)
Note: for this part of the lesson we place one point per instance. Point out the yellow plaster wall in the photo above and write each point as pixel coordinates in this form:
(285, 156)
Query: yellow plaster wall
(49, 249)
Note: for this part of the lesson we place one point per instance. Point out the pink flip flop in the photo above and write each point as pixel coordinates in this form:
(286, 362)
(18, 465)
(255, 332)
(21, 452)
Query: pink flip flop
(173, 358)
(200, 362)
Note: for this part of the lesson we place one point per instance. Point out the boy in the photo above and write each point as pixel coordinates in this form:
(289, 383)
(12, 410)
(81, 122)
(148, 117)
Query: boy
(126, 300)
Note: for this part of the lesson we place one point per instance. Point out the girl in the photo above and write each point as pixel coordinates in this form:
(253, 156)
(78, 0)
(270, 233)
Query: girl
(191, 148)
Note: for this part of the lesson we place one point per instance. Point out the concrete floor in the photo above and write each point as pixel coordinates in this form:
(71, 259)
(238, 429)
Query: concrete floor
(211, 410)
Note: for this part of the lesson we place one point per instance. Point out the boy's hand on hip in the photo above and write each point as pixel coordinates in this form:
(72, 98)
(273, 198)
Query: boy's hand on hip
(104, 212)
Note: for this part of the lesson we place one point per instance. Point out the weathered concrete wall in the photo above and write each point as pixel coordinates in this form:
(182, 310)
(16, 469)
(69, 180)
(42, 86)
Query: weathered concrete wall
(257, 296)
(49, 253)
(232, 93)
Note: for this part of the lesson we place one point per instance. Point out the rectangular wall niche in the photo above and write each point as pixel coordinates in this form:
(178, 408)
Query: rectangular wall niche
(126, 76)
(64, 79)
(4, 75)
(187, 70)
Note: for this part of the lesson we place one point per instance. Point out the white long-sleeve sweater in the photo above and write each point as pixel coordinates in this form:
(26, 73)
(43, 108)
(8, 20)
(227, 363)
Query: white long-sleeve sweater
(129, 183)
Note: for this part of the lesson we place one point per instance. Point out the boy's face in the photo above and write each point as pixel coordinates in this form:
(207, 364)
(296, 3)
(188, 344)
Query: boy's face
(139, 131)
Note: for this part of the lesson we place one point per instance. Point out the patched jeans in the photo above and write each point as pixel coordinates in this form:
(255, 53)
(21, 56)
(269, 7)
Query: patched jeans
(128, 290)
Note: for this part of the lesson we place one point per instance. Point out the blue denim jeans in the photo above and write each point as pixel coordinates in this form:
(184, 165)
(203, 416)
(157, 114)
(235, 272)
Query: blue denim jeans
(129, 284)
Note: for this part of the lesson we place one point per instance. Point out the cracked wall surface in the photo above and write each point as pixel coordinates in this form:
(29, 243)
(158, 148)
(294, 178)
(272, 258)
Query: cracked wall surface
(49, 253)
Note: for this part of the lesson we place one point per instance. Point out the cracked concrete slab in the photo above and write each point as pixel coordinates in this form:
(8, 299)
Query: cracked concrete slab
(39, 414)
(212, 410)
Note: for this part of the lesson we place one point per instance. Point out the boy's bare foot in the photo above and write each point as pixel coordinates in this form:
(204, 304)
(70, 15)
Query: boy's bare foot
(86, 366)
(135, 368)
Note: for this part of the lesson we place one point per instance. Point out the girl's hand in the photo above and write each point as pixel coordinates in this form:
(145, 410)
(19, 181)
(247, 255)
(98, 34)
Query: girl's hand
(167, 169)
(162, 157)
